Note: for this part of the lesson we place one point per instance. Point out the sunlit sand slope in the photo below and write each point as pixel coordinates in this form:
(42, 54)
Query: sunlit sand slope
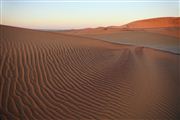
(49, 76)
(155, 23)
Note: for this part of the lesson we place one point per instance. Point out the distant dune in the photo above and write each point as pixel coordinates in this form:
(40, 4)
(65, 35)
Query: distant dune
(155, 23)
(164, 22)
(53, 76)
(158, 33)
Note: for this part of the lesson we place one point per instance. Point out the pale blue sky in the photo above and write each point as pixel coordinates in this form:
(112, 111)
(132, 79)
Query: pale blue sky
(51, 14)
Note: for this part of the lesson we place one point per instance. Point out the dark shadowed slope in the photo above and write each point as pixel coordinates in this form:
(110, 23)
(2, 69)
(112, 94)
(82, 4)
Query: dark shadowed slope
(154, 38)
(48, 76)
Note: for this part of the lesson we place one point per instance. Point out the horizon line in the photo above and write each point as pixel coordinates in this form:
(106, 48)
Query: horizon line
(78, 28)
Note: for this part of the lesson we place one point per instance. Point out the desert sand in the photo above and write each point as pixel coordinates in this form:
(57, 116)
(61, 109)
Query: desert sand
(158, 33)
(54, 76)
(155, 23)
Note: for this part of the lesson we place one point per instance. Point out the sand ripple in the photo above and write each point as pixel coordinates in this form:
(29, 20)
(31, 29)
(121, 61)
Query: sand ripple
(49, 76)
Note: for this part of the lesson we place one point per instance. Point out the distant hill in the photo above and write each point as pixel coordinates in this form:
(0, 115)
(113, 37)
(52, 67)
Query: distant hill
(154, 23)
(164, 22)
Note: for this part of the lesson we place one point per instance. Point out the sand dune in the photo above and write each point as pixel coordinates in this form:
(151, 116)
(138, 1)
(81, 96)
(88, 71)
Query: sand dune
(156, 38)
(49, 76)
(155, 23)
(158, 33)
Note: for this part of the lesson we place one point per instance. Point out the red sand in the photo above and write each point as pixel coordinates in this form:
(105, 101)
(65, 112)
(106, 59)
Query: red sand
(49, 76)
(156, 23)
(158, 33)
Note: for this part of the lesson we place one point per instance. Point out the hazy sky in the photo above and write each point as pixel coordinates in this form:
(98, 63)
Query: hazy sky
(67, 14)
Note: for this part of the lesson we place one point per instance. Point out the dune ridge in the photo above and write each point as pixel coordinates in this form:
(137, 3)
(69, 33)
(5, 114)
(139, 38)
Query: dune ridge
(49, 76)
